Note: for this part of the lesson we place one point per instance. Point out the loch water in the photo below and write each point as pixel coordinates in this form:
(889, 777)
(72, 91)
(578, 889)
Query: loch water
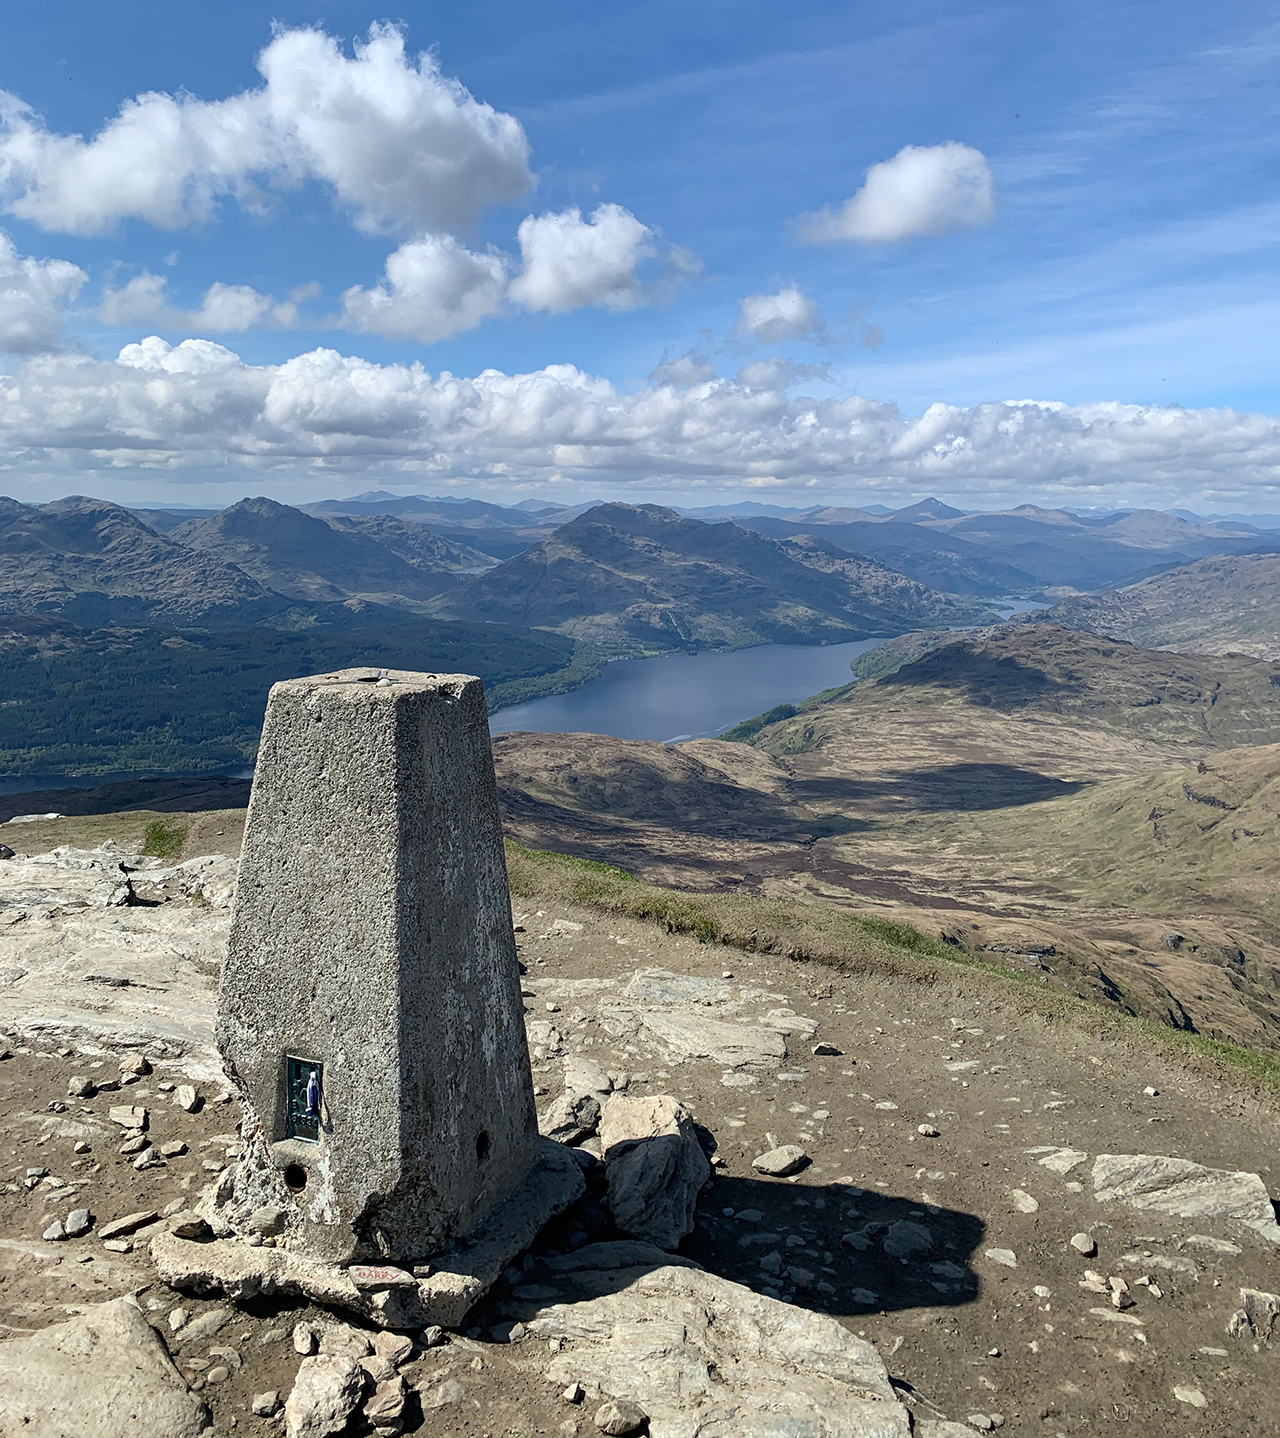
(687, 696)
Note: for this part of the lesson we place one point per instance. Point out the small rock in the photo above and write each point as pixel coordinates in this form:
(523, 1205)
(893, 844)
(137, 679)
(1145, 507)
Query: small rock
(117, 1245)
(574, 1393)
(117, 1228)
(981, 1421)
(138, 1144)
(1193, 1396)
(78, 1087)
(304, 1339)
(1151, 1092)
(128, 1116)
(135, 1064)
(266, 1405)
(385, 1406)
(81, 1146)
(396, 1348)
(1084, 1244)
(1023, 1201)
(189, 1224)
(146, 1159)
(778, 1163)
(177, 1318)
(55, 1233)
(220, 1374)
(186, 1098)
(79, 1221)
(620, 1416)
(1003, 1256)
(571, 1118)
(324, 1396)
(173, 1150)
(927, 1130)
(826, 1051)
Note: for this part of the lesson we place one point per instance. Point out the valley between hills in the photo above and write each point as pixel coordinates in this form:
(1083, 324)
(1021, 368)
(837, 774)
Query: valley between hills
(1086, 796)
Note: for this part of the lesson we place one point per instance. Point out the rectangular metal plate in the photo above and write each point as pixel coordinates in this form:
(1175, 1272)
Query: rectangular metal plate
(302, 1098)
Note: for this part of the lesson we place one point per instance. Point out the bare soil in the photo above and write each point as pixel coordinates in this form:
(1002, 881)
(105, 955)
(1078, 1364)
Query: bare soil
(961, 1333)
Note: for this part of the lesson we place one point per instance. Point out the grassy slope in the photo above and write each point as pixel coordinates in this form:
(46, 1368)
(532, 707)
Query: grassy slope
(852, 943)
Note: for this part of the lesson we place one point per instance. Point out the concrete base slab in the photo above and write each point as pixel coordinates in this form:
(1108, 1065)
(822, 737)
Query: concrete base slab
(457, 1281)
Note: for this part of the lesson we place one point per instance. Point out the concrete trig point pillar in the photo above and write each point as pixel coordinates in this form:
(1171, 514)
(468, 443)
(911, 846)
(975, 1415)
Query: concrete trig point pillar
(370, 1006)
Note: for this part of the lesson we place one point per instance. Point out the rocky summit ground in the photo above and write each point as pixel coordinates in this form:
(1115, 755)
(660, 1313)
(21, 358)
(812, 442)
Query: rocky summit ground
(1044, 1225)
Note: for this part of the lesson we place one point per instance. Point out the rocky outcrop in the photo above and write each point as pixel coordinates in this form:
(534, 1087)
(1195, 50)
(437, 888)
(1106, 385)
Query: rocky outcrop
(105, 1373)
(1186, 1190)
(702, 1355)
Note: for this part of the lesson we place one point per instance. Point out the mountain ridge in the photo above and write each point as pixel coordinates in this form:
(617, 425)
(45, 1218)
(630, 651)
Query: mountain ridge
(644, 575)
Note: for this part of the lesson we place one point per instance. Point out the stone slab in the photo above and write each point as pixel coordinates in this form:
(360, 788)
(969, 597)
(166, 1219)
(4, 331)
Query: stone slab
(707, 1357)
(1183, 1189)
(457, 1281)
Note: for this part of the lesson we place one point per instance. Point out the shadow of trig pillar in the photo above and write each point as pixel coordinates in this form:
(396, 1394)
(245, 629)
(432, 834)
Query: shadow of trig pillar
(370, 1007)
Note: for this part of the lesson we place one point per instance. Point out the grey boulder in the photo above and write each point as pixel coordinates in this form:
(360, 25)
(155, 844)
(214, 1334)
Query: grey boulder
(654, 1165)
(105, 1373)
(325, 1394)
(700, 1354)
(1184, 1189)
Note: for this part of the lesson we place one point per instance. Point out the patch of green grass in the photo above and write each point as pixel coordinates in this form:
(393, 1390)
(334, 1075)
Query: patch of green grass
(163, 840)
(862, 943)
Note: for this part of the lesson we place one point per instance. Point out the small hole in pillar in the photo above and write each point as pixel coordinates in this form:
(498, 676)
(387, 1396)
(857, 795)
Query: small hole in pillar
(295, 1178)
(482, 1145)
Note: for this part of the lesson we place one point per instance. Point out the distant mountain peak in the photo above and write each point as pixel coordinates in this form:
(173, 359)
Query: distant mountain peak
(930, 508)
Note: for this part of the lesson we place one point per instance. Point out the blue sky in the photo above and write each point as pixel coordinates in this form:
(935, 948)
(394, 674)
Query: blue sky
(1120, 260)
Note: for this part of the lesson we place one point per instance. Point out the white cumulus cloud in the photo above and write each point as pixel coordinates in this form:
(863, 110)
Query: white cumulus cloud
(570, 262)
(433, 287)
(401, 145)
(224, 309)
(197, 405)
(33, 298)
(775, 319)
(922, 190)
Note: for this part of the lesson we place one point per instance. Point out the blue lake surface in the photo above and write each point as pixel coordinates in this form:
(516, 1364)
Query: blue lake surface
(687, 696)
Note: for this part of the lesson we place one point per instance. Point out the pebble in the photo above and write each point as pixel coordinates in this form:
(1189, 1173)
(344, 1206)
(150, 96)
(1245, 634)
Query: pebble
(79, 1221)
(266, 1404)
(186, 1098)
(177, 1318)
(1084, 1244)
(1193, 1396)
(619, 1416)
(927, 1130)
(173, 1150)
(826, 1051)
(1023, 1201)
(1003, 1256)
(220, 1374)
(81, 1146)
(79, 1087)
(777, 1163)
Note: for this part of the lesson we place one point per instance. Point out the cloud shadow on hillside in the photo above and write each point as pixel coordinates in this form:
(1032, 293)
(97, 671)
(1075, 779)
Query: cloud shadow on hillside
(971, 786)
